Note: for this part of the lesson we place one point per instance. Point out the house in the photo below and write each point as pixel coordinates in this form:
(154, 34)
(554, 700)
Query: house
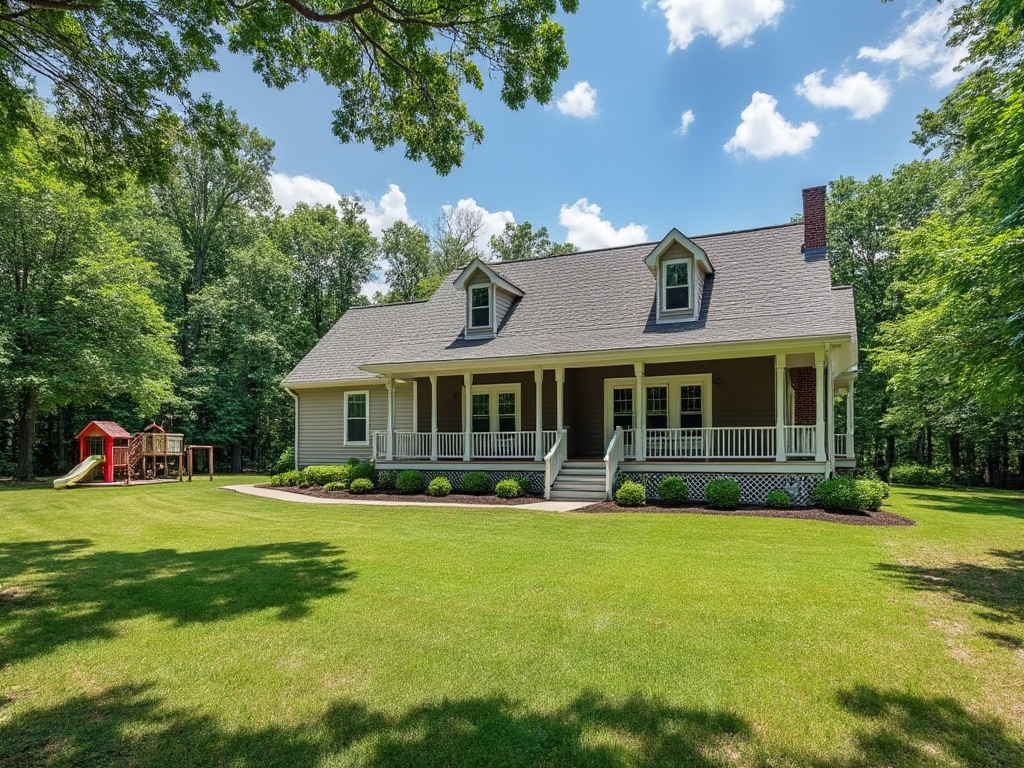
(712, 356)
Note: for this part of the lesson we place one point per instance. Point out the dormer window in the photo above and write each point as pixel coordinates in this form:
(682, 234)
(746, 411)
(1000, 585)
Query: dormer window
(480, 307)
(676, 284)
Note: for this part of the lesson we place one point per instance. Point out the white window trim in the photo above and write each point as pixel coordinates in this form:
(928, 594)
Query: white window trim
(345, 440)
(476, 329)
(663, 287)
(673, 383)
(493, 390)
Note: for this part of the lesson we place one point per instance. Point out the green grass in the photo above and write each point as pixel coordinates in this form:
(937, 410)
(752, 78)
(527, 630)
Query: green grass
(185, 625)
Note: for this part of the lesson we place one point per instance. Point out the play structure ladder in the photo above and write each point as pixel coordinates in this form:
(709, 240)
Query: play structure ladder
(134, 451)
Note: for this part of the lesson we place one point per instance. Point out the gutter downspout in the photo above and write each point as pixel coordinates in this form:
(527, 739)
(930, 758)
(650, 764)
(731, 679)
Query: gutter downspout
(295, 397)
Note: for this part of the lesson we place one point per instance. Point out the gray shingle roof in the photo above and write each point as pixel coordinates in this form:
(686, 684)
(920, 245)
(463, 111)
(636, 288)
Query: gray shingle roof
(763, 289)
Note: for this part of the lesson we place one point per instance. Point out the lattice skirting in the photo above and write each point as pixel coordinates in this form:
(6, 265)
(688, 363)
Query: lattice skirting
(753, 487)
(386, 477)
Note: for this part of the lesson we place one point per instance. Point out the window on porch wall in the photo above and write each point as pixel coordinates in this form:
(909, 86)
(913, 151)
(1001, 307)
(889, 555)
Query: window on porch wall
(622, 408)
(482, 413)
(657, 407)
(494, 412)
(506, 412)
(690, 410)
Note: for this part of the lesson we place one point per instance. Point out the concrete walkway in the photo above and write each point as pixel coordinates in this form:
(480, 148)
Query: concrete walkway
(270, 493)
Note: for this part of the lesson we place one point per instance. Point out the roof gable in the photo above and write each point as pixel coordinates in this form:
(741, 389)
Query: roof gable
(108, 428)
(675, 237)
(478, 265)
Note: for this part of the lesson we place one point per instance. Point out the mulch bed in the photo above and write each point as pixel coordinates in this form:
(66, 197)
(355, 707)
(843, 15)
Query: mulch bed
(453, 498)
(880, 517)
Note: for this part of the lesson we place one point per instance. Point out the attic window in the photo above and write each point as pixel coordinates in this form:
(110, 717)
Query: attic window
(480, 307)
(675, 280)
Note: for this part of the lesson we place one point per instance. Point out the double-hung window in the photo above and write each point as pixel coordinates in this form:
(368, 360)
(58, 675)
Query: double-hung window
(657, 407)
(357, 416)
(480, 307)
(690, 406)
(676, 285)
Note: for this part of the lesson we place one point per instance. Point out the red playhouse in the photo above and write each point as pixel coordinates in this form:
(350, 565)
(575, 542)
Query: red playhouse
(108, 439)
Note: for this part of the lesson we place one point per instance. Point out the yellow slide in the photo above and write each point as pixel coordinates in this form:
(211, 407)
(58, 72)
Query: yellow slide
(80, 472)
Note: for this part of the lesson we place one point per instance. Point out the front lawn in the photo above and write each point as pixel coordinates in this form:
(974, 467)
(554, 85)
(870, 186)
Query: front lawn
(181, 625)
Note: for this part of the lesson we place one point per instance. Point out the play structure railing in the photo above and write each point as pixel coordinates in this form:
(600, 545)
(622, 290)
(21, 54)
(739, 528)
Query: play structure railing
(163, 443)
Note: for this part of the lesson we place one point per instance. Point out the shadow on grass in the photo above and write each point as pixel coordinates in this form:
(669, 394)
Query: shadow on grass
(132, 725)
(1005, 503)
(57, 592)
(997, 589)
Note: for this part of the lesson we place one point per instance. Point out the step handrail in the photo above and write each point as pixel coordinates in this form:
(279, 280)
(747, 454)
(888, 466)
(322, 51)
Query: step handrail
(553, 461)
(612, 458)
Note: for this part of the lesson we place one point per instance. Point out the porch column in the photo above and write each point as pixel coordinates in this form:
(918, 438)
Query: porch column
(538, 388)
(390, 437)
(433, 417)
(849, 421)
(467, 416)
(639, 413)
(819, 405)
(780, 407)
(559, 398)
(830, 413)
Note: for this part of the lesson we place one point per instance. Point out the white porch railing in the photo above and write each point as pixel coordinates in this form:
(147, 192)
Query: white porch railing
(628, 443)
(712, 443)
(553, 461)
(612, 458)
(483, 445)
(844, 447)
(800, 441)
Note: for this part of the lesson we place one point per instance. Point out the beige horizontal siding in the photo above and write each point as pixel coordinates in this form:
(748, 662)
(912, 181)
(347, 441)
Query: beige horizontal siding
(322, 427)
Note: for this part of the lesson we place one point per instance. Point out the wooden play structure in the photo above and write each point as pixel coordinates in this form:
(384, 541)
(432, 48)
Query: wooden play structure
(150, 454)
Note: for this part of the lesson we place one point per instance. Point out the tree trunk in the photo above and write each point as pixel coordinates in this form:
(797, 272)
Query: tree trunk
(928, 446)
(972, 457)
(954, 454)
(890, 450)
(27, 402)
(236, 459)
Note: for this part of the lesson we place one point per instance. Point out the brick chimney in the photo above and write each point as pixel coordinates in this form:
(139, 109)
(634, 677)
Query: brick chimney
(814, 220)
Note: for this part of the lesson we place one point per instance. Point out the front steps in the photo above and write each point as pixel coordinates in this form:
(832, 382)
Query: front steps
(579, 481)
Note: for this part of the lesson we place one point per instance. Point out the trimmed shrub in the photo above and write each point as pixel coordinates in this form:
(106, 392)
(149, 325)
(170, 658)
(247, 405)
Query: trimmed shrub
(284, 463)
(778, 500)
(915, 474)
(524, 484)
(410, 481)
(477, 483)
(508, 489)
(290, 479)
(673, 490)
(843, 494)
(335, 486)
(439, 486)
(722, 493)
(631, 494)
(873, 492)
(360, 470)
(324, 474)
(361, 485)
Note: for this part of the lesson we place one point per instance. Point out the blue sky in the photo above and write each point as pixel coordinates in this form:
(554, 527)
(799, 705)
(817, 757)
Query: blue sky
(777, 95)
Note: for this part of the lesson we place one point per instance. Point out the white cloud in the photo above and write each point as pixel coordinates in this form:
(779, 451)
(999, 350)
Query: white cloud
(862, 94)
(764, 133)
(685, 122)
(728, 21)
(492, 223)
(586, 229)
(581, 101)
(381, 214)
(290, 190)
(922, 47)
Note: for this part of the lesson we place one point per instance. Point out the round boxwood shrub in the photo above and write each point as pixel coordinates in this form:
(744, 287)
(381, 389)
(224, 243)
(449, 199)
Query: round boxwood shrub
(361, 485)
(873, 493)
(723, 493)
(508, 489)
(778, 500)
(477, 483)
(324, 474)
(360, 470)
(337, 485)
(631, 494)
(290, 479)
(439, 486)
(285, 461)
(410, 481)
(524, 484)
(673, 490)
(842, 494)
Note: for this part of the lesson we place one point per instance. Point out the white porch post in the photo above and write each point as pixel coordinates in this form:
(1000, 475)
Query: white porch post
(538, 387)
(830, 412)
(819, 405)
(780, 407)
(640, 413)
(390, 438)
(559, 398)
(849, 421)
(433, 417)
(467, 416)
